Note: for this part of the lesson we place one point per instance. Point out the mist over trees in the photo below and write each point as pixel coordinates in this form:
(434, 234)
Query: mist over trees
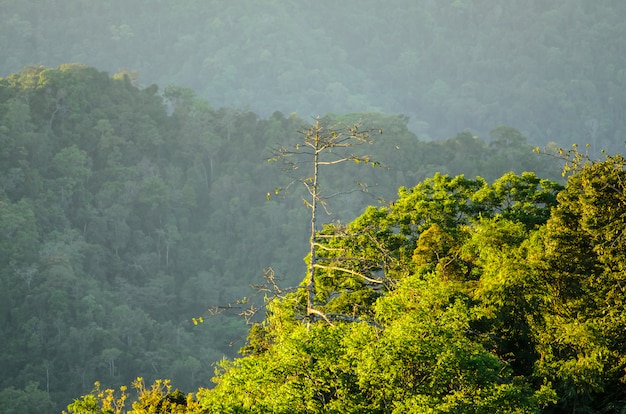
(553, 70)
(135, 194)
(121, 223)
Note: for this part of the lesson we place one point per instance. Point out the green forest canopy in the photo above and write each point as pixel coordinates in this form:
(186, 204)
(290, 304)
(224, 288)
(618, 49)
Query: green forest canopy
(497, 298)
(120, 222)
(126, 210)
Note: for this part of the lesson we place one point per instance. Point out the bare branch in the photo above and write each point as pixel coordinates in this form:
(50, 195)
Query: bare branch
(349, 271)
(313, 311)
(246, 307)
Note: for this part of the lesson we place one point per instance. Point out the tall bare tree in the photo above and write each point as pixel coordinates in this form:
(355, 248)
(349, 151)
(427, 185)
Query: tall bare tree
(321, 145)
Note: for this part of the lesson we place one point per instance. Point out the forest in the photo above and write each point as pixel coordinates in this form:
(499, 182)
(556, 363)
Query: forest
(122, 223)
(467, 259)
(553, 69)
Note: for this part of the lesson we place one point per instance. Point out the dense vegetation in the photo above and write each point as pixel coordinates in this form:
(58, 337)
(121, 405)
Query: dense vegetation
(486, 283)
(554, 69)
(126, 212)
(461, 297)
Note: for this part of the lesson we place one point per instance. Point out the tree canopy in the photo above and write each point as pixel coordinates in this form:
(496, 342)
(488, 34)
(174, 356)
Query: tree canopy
(125, 212)
(501, 298)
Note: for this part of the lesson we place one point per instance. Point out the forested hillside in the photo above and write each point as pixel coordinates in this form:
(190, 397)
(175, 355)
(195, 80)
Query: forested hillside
(552, 69)
(126, 212)
(460, 297)
(467, 276)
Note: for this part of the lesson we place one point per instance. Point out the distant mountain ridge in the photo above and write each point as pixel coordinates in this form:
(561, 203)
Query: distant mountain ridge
(553, 70)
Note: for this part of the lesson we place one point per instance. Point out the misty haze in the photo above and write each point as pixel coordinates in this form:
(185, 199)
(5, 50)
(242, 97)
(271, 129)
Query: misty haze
(470, 194)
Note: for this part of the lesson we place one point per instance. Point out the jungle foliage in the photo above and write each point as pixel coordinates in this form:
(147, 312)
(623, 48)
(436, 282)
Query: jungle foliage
(504, 297)
(125, 212)
(469, 277)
